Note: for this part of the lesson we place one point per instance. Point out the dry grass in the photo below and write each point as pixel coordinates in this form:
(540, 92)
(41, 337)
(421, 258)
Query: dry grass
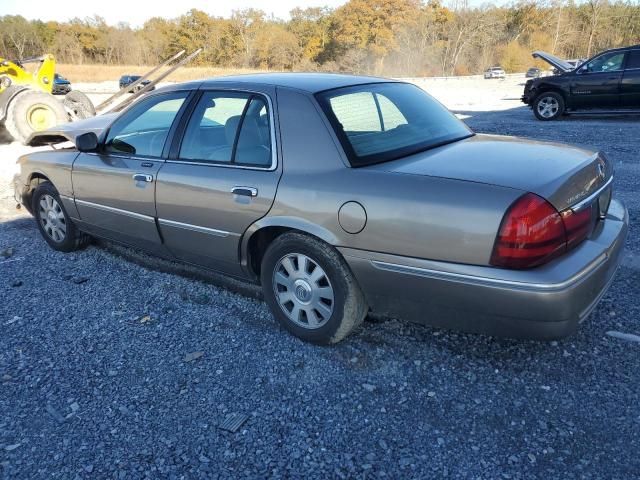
(101, 73)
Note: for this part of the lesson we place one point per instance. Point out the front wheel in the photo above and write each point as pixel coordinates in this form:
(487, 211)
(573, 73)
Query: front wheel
(548, 106)
(54, 223)
(311, 290)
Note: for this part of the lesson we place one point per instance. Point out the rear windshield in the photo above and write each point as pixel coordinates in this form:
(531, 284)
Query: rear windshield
(385, 121)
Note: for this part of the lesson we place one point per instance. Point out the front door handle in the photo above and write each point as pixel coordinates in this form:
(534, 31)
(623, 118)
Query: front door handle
(246, 191)
(143, 177)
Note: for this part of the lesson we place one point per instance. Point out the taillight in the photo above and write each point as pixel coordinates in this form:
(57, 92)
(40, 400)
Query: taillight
(531, 233)
(577, 225)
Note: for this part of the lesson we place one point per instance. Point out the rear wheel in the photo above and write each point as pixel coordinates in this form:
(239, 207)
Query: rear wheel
(548, 106)
(33, 111)
(78, 105)
(311, 290)
(54, 223)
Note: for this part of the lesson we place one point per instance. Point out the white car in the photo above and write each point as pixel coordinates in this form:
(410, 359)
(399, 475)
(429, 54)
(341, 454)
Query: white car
(495, 72)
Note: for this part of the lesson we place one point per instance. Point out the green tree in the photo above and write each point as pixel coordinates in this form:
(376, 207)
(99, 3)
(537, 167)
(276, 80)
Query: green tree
(372, 25)
(311, 27)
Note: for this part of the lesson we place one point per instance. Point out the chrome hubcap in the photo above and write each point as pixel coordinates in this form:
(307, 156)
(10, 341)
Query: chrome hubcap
(52, 218)
(548, 107)
(303, 290)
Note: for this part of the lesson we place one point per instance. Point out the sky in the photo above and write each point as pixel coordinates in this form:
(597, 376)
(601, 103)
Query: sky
(136, 12)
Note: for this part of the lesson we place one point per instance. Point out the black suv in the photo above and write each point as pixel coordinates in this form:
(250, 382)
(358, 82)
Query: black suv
(609, 82)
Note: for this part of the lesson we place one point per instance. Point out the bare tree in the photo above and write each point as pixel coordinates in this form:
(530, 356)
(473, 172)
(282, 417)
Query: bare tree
(595, 10)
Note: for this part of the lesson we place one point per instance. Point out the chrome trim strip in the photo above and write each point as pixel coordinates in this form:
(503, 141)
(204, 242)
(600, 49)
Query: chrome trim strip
(221, 165)
(487, 281)
(585, 202)
(195, 228)
(67, 198)
(119, 211)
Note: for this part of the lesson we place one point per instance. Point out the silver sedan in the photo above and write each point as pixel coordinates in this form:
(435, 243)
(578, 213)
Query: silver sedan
(340, 195)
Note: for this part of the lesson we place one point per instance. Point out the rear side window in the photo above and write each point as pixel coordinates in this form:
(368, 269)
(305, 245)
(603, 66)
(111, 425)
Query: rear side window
(143, 130)
(633, 61)
(384, 121)
(229, 127)
(213, 126)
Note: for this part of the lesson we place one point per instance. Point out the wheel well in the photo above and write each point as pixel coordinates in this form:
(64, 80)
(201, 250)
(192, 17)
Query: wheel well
(258, 244)
(545, 88)
(35, 180)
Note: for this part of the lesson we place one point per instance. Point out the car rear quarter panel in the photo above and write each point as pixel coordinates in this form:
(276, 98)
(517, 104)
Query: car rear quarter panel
(410, 215)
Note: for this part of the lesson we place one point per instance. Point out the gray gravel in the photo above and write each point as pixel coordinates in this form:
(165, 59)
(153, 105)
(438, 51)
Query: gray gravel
(130, 372)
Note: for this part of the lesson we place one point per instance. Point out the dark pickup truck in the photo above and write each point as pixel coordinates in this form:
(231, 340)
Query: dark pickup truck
(607, 83)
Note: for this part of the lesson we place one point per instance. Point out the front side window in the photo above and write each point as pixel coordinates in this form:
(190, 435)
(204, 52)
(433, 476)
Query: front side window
(229, 127)
(609, 62)
(384, 121)
(143, 130)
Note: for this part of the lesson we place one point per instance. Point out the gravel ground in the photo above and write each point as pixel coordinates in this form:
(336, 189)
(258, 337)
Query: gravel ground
(112, 369)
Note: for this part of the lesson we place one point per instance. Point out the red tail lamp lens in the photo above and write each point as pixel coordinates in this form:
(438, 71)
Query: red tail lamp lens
(577, 225)
(532, 233)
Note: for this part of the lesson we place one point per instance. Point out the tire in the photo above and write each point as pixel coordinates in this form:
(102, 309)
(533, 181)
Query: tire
(51, 217)
(548, 106)
(78, 106)
(287, 284)
(33, 111)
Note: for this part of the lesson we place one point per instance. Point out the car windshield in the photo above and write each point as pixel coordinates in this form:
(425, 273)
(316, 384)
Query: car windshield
(385, 121)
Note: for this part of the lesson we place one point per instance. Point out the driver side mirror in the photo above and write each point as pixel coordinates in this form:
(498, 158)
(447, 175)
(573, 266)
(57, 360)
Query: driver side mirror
(87, 142)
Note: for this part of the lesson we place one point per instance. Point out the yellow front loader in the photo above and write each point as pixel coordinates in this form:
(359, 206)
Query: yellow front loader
(15, 74)
(26, 102)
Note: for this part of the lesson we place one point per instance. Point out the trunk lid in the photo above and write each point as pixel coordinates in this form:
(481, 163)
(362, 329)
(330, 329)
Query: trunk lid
(564, 175)
(554, 61)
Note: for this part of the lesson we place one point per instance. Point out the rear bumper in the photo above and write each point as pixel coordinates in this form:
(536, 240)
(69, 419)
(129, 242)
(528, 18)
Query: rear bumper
(543, 303)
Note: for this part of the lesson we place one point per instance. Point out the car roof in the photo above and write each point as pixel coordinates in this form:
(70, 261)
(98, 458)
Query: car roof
(309, 82)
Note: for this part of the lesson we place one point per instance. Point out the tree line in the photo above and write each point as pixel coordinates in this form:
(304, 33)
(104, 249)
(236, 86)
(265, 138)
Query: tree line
(383, 37)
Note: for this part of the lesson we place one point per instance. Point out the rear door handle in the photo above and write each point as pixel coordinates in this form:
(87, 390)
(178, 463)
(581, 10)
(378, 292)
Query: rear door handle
(246, 191)
(143, 177)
